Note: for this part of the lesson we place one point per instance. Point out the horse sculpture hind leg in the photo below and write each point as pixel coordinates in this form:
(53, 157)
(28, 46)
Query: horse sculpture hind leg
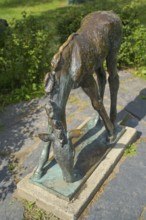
(113, 80)
(89, 86)
(113, 84)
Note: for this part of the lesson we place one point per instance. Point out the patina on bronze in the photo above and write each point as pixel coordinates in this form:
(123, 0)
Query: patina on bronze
(83, 54)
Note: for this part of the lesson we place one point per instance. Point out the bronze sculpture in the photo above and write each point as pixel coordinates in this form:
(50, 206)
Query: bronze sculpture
(83, 53)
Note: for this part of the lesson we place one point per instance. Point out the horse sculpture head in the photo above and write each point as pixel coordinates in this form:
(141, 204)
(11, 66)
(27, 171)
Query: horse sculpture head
(62, 146)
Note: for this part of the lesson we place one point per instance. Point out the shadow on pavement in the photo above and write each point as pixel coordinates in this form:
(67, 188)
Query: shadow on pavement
(135, 111)
(19, 124)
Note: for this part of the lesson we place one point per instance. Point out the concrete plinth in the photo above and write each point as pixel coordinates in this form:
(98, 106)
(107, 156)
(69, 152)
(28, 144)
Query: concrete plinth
(69, 210)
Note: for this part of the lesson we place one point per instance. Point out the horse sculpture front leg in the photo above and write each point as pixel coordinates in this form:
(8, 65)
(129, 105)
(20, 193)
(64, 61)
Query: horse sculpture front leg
(42, 161)
(46, 149)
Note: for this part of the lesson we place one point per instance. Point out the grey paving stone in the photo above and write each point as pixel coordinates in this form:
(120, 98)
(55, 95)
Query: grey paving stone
(11, 209)
(125, 196)
(141, 128)
(7, 185)
(31, 161)
(138, 106)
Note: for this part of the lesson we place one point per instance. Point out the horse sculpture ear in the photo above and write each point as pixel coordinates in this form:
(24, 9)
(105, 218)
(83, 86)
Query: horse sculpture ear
(75, 62)
(46, 137)
(49, 82)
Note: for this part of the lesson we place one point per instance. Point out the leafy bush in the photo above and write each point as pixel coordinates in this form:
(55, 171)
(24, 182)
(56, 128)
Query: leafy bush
(67, 26)
(132, 52)
(75, 1)
(24, 59)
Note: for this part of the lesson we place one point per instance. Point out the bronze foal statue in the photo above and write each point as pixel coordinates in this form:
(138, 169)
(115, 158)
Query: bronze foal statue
(83, 54)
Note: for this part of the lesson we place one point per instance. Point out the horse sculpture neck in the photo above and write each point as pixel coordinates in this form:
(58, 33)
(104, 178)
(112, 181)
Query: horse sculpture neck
(59, 82)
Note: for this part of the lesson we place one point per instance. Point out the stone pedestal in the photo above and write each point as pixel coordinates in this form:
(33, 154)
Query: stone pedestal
(94, 159)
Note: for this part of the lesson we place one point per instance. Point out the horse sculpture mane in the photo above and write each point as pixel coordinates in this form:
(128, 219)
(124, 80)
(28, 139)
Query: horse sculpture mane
(56, 58)
(49, 80)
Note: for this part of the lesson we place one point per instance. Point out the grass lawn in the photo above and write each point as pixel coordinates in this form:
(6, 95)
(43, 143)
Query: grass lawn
(10, 9)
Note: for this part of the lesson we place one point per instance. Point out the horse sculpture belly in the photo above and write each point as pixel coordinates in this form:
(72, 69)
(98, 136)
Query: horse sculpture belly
(83, 53)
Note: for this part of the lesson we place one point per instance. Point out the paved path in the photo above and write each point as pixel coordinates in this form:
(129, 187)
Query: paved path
(124, 197)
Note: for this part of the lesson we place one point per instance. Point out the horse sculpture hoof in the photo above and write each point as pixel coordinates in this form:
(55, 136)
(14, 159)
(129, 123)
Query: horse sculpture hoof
(111, 139)
(37, 175)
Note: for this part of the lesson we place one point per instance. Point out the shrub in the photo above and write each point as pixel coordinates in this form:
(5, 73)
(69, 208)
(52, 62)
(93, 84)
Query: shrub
(132, 51)
(24, 59)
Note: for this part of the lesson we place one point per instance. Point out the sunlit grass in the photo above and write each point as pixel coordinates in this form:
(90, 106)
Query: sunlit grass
(9, 13)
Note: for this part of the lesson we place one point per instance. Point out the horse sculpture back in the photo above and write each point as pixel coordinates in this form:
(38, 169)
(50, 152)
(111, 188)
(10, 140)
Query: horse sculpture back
(83, 54)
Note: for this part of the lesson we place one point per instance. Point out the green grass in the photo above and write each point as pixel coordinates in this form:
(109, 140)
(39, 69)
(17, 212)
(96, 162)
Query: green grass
(131, 150)
(141, 72)
(13, 8)
(2, 126)
(143, 97)
(32, 212)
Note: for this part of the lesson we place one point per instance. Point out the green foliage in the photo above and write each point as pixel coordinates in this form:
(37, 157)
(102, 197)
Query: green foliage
(24, 59)
(141, 72)
(24, 93)
(30, 43)
(75, 1)
(143, 97)
(32, 212)
(29, 205)
(132, 52)
(67, 26)
(2, 126)
(131, 150)
(11, 167)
